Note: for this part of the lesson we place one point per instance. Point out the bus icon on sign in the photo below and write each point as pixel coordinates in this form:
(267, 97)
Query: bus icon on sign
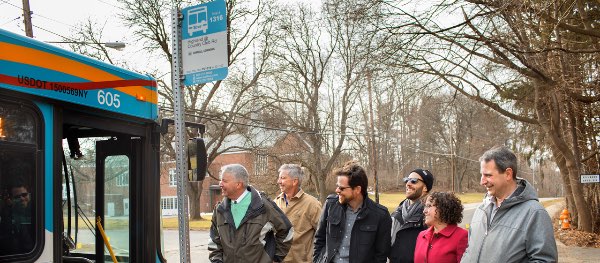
(197, 20)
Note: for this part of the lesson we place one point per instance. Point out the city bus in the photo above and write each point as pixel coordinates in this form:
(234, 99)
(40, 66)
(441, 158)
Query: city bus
(79, 143)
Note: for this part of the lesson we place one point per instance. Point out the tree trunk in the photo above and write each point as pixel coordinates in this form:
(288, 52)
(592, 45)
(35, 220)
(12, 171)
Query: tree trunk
(549, 118)
(195, 191)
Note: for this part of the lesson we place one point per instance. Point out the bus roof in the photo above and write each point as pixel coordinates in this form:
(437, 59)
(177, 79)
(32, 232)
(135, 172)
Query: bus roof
(38, 68)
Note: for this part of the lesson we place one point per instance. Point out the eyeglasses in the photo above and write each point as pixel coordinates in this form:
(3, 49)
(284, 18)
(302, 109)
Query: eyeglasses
(342, 188)
(412, 180)
(22, 195)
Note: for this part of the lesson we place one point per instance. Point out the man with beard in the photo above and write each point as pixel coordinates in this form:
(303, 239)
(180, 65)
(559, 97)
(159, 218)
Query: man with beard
(302, 210)
(408, 219)
(15, 223)
(352, 228)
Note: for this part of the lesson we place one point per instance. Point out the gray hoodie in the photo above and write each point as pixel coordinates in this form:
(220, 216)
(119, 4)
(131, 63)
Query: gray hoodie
(521, 230)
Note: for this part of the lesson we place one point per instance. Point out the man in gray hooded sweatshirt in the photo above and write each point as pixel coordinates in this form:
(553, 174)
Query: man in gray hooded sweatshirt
(510, 225)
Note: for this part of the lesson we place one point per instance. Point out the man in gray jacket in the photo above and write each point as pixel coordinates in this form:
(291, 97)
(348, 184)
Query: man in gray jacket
(511, 225)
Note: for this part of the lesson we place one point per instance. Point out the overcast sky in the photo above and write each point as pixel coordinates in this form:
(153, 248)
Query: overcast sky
(55, 18)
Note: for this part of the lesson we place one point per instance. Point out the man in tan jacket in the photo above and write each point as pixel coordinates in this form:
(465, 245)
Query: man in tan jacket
(302, 209)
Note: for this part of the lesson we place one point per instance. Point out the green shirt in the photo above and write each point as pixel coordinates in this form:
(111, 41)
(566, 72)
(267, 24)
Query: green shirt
(238, 209)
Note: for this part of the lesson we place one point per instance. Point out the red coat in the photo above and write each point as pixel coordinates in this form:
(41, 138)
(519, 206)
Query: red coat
(446, 246)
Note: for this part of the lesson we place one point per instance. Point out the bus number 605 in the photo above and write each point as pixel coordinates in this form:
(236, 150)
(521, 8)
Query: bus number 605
(111, 100)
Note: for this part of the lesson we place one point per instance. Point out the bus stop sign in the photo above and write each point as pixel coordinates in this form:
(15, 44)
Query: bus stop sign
(204, 42)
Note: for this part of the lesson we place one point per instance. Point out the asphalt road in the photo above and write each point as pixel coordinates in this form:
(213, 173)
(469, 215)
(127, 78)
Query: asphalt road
(198, 246)
(199, 242)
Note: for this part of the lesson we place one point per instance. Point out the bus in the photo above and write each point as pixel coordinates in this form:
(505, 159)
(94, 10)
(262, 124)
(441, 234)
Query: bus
(79, 143)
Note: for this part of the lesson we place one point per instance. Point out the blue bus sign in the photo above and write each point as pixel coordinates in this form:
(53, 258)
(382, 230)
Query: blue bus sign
(204, 43)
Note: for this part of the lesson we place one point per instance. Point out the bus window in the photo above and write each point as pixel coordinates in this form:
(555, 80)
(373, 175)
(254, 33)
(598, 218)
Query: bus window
(18, 198)
(116, 203)
(82, 197)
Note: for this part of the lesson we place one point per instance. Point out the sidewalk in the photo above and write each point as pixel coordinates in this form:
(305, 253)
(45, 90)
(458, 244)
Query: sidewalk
(572, 254)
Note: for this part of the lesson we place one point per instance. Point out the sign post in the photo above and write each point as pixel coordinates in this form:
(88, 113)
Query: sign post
(180, 138)
(200, 55)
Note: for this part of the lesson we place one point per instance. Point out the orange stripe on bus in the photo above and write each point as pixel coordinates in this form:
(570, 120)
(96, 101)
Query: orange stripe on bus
(34, 57)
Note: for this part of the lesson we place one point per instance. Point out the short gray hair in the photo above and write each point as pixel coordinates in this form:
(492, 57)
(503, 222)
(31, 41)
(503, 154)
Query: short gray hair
(503, 157)
(237, 170)
(294, 171)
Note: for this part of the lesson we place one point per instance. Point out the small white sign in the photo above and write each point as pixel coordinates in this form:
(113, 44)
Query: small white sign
(590, 178)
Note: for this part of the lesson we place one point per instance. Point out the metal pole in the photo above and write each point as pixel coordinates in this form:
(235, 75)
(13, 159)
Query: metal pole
(27, 19)
(533, 173)
(374, 153)
(452, 160)
(180, 139)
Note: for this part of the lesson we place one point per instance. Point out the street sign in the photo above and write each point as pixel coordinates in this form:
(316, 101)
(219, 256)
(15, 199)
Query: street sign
(204, 42)
(590, 178)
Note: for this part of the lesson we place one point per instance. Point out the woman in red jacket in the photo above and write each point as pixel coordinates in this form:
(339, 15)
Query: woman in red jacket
(444, 241)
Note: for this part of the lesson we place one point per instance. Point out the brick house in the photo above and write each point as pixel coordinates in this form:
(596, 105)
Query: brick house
(261, 160)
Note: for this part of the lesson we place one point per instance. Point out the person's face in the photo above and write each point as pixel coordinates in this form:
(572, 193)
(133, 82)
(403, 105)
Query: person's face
(230, 187)
(344, 191)
(431, 213)
(20, 196)
(286, 183)
(417, 189)
(495, 182)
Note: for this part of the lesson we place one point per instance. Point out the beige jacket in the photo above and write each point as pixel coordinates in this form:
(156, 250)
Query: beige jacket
(304, 211)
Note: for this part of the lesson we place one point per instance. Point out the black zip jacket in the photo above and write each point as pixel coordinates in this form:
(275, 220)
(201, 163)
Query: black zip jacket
(370, 240)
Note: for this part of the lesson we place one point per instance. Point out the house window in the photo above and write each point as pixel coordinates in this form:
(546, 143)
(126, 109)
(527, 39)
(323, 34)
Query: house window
(260, 164)
(168, 203)
(172, 177)
(123, 179)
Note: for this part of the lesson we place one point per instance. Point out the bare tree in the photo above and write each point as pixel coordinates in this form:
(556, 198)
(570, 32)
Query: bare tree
(531, 61)
(248, 23)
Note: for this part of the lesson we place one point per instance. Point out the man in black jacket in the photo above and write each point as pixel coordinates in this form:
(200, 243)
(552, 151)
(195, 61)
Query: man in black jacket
(352, 227)
(408, 219)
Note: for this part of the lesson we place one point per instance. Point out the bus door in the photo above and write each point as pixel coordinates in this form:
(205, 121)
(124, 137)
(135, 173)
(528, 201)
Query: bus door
(102, 182)
(117, 165)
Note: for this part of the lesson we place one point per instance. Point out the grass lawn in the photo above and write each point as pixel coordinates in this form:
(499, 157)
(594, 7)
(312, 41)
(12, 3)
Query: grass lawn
(391, 200)
(202, 224)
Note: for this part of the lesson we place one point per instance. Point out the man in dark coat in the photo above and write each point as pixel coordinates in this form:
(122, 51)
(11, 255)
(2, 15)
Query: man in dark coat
(353, 228)
(408, 219)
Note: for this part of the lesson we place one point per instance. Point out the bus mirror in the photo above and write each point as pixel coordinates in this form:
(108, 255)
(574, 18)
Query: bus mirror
(198, 160)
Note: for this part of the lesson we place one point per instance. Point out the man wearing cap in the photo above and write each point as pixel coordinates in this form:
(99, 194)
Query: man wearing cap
(408, 219)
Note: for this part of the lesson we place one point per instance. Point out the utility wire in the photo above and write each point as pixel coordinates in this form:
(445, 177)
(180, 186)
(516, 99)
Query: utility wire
(11, 21)
(357, 134)
(6, 2)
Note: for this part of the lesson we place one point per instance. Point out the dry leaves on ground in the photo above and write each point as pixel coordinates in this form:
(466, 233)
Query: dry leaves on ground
(577, 238)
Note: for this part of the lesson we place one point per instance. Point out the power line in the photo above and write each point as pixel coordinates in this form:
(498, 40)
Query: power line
(6, 2)
(53, 33)
(358, 134)
(11, 21)
(54, 20)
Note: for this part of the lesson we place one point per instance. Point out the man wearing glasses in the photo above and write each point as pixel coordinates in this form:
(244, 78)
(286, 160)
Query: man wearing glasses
(352, 228)
(408, 219)
(15, 223)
